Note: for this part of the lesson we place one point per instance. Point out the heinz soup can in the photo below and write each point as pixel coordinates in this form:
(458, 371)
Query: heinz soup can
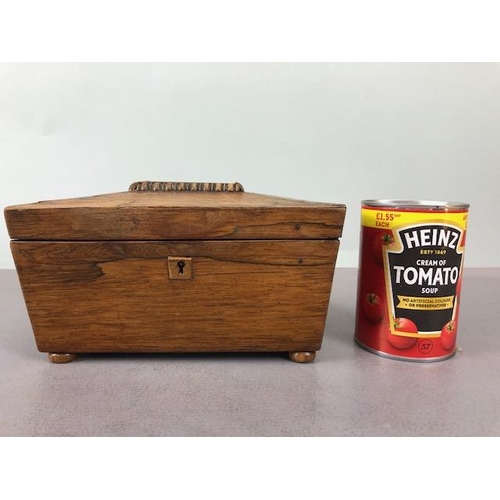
(409, 279)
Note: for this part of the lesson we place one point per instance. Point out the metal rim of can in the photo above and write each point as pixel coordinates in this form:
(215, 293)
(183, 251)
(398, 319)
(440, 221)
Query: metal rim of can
(417, 204)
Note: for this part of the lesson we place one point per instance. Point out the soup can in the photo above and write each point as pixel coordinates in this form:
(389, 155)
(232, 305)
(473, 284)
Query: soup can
(410, 277)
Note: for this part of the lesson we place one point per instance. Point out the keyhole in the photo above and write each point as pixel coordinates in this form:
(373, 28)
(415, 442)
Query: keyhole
(181, 265)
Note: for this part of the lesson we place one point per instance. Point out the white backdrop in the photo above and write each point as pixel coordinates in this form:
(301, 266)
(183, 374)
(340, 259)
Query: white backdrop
(333, 132)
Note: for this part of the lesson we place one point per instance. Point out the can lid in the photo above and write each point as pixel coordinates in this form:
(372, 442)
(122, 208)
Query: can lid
(418, 204)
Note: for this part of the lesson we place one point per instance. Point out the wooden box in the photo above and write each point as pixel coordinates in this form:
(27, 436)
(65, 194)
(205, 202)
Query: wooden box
(176, 267)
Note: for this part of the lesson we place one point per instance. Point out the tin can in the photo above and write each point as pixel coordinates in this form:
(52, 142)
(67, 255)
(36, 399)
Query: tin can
(410, 275)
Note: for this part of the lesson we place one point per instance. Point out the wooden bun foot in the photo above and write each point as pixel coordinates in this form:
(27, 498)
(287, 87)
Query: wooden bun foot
(57, 357)
(302, 356)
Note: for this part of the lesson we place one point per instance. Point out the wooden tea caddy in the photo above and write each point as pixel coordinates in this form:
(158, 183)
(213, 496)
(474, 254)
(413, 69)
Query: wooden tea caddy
(176, 267)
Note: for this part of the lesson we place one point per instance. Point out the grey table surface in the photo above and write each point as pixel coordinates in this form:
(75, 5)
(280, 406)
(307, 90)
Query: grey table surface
(346, 391)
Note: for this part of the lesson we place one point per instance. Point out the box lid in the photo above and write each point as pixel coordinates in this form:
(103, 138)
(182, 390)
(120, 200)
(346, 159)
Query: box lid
(176, 211)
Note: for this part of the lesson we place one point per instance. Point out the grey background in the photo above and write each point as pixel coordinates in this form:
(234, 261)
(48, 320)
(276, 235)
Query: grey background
(334, 132)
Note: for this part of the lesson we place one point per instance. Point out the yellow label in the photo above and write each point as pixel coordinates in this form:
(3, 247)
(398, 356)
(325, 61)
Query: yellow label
(425, 303)
(391, 219)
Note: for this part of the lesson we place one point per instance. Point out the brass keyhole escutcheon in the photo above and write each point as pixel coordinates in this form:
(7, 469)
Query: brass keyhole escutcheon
(180, 268)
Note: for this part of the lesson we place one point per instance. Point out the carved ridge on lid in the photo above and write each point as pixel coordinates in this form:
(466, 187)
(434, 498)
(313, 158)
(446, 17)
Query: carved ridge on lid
(219, 187)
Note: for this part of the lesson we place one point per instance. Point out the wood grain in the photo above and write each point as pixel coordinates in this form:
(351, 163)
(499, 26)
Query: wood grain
(116, 296)
(175, 216)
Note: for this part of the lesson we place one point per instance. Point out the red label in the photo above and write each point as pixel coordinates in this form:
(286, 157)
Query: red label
(409, 282)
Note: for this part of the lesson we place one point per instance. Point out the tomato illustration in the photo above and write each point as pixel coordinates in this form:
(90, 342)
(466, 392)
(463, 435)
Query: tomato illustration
(373, 307)
(399, 341)
(381, 242)
(405, 325)
(449, 335)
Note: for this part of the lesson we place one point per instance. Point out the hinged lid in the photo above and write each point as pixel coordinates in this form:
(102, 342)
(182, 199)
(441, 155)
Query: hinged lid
(176, 211)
